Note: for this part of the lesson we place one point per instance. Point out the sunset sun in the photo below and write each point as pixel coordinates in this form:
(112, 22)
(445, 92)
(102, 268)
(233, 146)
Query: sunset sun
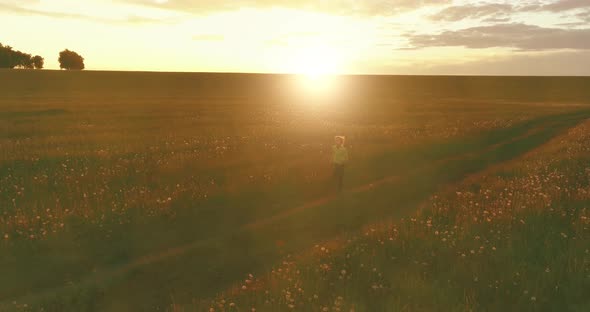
(316, 66)
(316, 61)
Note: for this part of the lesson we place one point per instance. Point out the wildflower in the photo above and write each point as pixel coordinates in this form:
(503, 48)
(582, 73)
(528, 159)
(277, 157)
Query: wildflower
(533, 298)
(563, 235)
(231, 304)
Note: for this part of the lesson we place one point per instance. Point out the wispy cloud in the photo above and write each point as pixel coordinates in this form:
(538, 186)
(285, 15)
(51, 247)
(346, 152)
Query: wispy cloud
(585, 16)
(349, 7)
(25, 10)
(515, 36)
(561, 6)
(457, 13)
(497, 20)
(503, 10)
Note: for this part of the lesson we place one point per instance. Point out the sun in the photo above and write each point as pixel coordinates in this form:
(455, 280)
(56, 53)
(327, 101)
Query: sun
(315, 61)
(317, 67)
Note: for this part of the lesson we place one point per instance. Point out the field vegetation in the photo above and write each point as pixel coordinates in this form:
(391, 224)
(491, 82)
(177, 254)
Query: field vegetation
(515, 237)
(145, 191)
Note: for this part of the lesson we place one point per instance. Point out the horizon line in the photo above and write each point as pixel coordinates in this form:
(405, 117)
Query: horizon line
(281, 73)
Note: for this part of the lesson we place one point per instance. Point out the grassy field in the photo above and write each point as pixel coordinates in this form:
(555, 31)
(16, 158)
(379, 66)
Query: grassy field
(151, 192)
(515, 237)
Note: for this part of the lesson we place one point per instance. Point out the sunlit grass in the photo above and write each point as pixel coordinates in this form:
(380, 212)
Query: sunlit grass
(91, 181)
(514, 238)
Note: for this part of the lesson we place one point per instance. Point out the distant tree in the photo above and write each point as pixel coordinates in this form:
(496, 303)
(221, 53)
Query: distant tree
(6, 53)
(70, 60)
(10, 58)
(23, 60)
(38, 62)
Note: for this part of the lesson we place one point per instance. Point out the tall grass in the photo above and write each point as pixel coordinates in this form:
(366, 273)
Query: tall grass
(514, 238)
(101, 171)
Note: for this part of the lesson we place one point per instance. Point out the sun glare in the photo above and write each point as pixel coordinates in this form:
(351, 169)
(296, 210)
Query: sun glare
(316, 67)
(315, 61)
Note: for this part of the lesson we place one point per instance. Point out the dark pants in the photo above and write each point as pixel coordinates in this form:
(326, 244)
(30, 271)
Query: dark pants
(339, 175)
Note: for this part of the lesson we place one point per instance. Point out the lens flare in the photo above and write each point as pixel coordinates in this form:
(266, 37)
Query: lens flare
(316, 67)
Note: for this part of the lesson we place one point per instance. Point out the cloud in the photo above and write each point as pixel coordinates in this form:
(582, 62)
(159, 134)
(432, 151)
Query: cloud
(132, 19)
(573, 24)
(564, 5)
(457, 13)
(492, 10)
(585, 16)
(516, 36)
(348, 7)
(497, 20)
(25, 11)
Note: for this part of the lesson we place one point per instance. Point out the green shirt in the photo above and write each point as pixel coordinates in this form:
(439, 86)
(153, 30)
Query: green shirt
(340, 155)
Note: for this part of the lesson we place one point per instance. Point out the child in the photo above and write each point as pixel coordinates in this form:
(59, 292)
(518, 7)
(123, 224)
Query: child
(339, 160)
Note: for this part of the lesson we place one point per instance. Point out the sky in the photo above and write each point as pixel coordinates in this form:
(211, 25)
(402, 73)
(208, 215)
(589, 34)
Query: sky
(444, 37)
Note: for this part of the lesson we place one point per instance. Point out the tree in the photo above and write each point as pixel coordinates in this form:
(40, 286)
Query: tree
(70, 60)
(10, 58)
(6, 53)
(22, 60)
(38, 62)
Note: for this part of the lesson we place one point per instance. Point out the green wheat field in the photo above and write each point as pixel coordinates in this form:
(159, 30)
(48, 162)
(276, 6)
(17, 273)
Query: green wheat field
(138, 191)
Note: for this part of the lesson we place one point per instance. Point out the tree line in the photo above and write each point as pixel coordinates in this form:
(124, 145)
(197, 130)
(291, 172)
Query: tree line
(10, 58)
